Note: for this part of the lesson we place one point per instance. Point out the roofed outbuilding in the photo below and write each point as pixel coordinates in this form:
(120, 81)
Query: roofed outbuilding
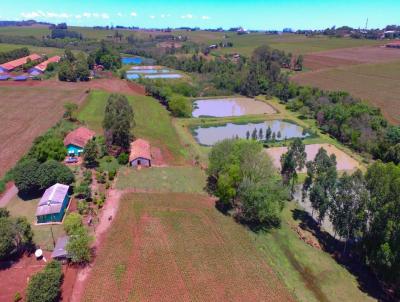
(60, 250)
(52, 205)
(140, 153)
(76, 140)
(9, 66)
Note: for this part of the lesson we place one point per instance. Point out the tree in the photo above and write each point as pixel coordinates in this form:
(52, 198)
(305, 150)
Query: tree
(49, 148)
(268, 133)
(67, 72)
(45, 286)
(320, 182)
(26, 176)
(292, 161)
(69, 56)
(254, 134)
(7, 235)
(118, 121)
(348, 210)
(247, 134)
(91, 153)
(180, 106)
(78, 246)
(72, 223)
(70, 111)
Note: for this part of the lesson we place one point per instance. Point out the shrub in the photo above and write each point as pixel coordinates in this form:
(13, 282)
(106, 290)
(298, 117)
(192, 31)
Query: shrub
(83, 207)
(123, 158)
(45, 285)
(100, 177)
(111, 174)
(78, 246)
(72, 222)
(83, 191)
(17, 297)
(180, 106)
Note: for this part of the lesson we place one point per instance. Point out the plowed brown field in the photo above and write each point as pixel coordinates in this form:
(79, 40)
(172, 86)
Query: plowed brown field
(178, 247)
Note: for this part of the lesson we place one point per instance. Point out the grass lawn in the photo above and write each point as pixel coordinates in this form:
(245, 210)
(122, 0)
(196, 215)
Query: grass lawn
(311, 274)
(42, 234)
(152, 122)
(169, 179)
(50, 51)
(178, 247)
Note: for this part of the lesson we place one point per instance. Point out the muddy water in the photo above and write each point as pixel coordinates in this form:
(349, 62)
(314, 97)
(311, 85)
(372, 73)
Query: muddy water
(230, 107)
(208, 136)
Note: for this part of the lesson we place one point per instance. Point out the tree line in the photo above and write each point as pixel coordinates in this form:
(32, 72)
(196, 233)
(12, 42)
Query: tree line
(6, 56)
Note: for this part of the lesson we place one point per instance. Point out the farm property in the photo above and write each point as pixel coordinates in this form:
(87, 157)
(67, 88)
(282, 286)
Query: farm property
(179, 248)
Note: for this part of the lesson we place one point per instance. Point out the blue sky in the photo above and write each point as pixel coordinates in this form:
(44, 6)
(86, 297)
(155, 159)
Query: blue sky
(252, 14)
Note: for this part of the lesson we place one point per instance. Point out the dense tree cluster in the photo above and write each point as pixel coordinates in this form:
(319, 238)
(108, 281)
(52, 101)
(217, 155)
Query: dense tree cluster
(73, 68)
(45, 286)
(243, 178)
(15, 234)
(78, 246)
(107, 56)
(6, 56)
(118, 122)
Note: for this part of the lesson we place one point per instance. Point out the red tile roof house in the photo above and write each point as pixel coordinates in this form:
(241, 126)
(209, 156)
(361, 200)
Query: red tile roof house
(76, 140)
(140, 155)
(41, 68)
(10, 66)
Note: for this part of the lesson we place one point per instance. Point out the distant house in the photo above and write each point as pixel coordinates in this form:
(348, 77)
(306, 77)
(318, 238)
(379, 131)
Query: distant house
(76, 140)
(10, 66)
(60, 250)
(140, 155)
(41, 68)
(52, 205)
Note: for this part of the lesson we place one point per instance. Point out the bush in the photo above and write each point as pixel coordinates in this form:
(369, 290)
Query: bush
(111, 174)
(100, 177)
(17, 297)
(83, 191)
(45, 286)
(78, 246)
(72, 222)
(123, 158)
(83, 207)
(2, 186)
(180, 106)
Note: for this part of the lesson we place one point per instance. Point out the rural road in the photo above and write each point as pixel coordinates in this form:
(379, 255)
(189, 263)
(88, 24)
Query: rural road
(8, 195)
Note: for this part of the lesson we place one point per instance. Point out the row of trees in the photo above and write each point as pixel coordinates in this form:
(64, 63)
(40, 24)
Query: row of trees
(242, 176)
(6, 56)
(363, 209)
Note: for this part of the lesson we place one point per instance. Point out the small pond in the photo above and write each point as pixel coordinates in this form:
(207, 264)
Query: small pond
(148, 71)
(209, 136)
(132, 76)
(230, 107)
(164, 76)
(131, 60)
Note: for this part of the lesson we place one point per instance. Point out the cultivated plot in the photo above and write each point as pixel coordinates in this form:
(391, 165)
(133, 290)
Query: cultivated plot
(177, 247)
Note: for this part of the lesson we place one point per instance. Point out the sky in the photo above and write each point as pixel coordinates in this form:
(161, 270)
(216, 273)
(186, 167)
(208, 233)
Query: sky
(251, 14)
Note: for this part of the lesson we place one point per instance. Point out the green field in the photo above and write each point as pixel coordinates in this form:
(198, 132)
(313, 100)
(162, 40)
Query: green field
(169, 179)
(375, 83)
(296, 44)
(152, 122)
(49, 51)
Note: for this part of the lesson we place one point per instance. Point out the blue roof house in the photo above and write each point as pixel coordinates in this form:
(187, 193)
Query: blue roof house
(52, 205)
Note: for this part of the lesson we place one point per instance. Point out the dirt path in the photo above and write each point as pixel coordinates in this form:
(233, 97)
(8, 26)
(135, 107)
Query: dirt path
(8, 195)
(109, 210)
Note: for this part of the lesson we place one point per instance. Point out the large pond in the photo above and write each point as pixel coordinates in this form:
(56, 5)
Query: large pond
(209, 136)
(230, 107)
(131, 60)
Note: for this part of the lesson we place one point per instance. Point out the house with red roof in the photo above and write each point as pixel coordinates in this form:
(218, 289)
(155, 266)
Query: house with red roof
(10, 66)
(41, 68)
(140, 155)
(76, 140)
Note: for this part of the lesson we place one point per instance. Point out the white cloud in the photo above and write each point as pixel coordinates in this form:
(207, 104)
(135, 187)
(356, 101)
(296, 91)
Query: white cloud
(78, 17)
(87, 15)
(205, 17)
(133, 14)
(30, 15)
(162, 16)
(187, 16)
(152, 17)
(105, 16)
(120, 15)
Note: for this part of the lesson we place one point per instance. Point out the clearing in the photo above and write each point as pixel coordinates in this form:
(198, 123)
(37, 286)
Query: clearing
(179, 248)
(27, 113)
(378, 84)
(152, 122)
(344, 161)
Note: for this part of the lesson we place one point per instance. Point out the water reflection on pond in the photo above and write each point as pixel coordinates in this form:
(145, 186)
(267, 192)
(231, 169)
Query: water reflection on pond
(230, 107)
(208, 136)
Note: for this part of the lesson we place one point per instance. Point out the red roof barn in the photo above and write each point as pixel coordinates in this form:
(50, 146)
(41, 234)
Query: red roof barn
(9, 66)
(140, 153)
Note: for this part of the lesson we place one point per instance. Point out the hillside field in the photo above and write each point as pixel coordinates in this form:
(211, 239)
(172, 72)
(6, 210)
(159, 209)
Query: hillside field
(28, 112)
(179, 248)
(378, 84)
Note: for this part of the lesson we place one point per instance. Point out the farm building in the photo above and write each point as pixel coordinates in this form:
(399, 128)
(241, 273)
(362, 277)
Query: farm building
(76, 140)
(4, 77)
(395, 44)
(10, 66)
(60, 250)
(41, 68)
(140, 154)
(52, 205)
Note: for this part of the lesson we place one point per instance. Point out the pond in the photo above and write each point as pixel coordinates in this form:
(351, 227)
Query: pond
(148, 71)
(164, 76)
(132, 76)
(209, 136)
(230, 107)
(131, 60)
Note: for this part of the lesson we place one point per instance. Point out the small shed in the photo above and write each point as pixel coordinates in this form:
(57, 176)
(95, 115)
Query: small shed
(20, 78)
(60, 250)
(52, 205)
(4, 77)
(140, 155)
(76, 140)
